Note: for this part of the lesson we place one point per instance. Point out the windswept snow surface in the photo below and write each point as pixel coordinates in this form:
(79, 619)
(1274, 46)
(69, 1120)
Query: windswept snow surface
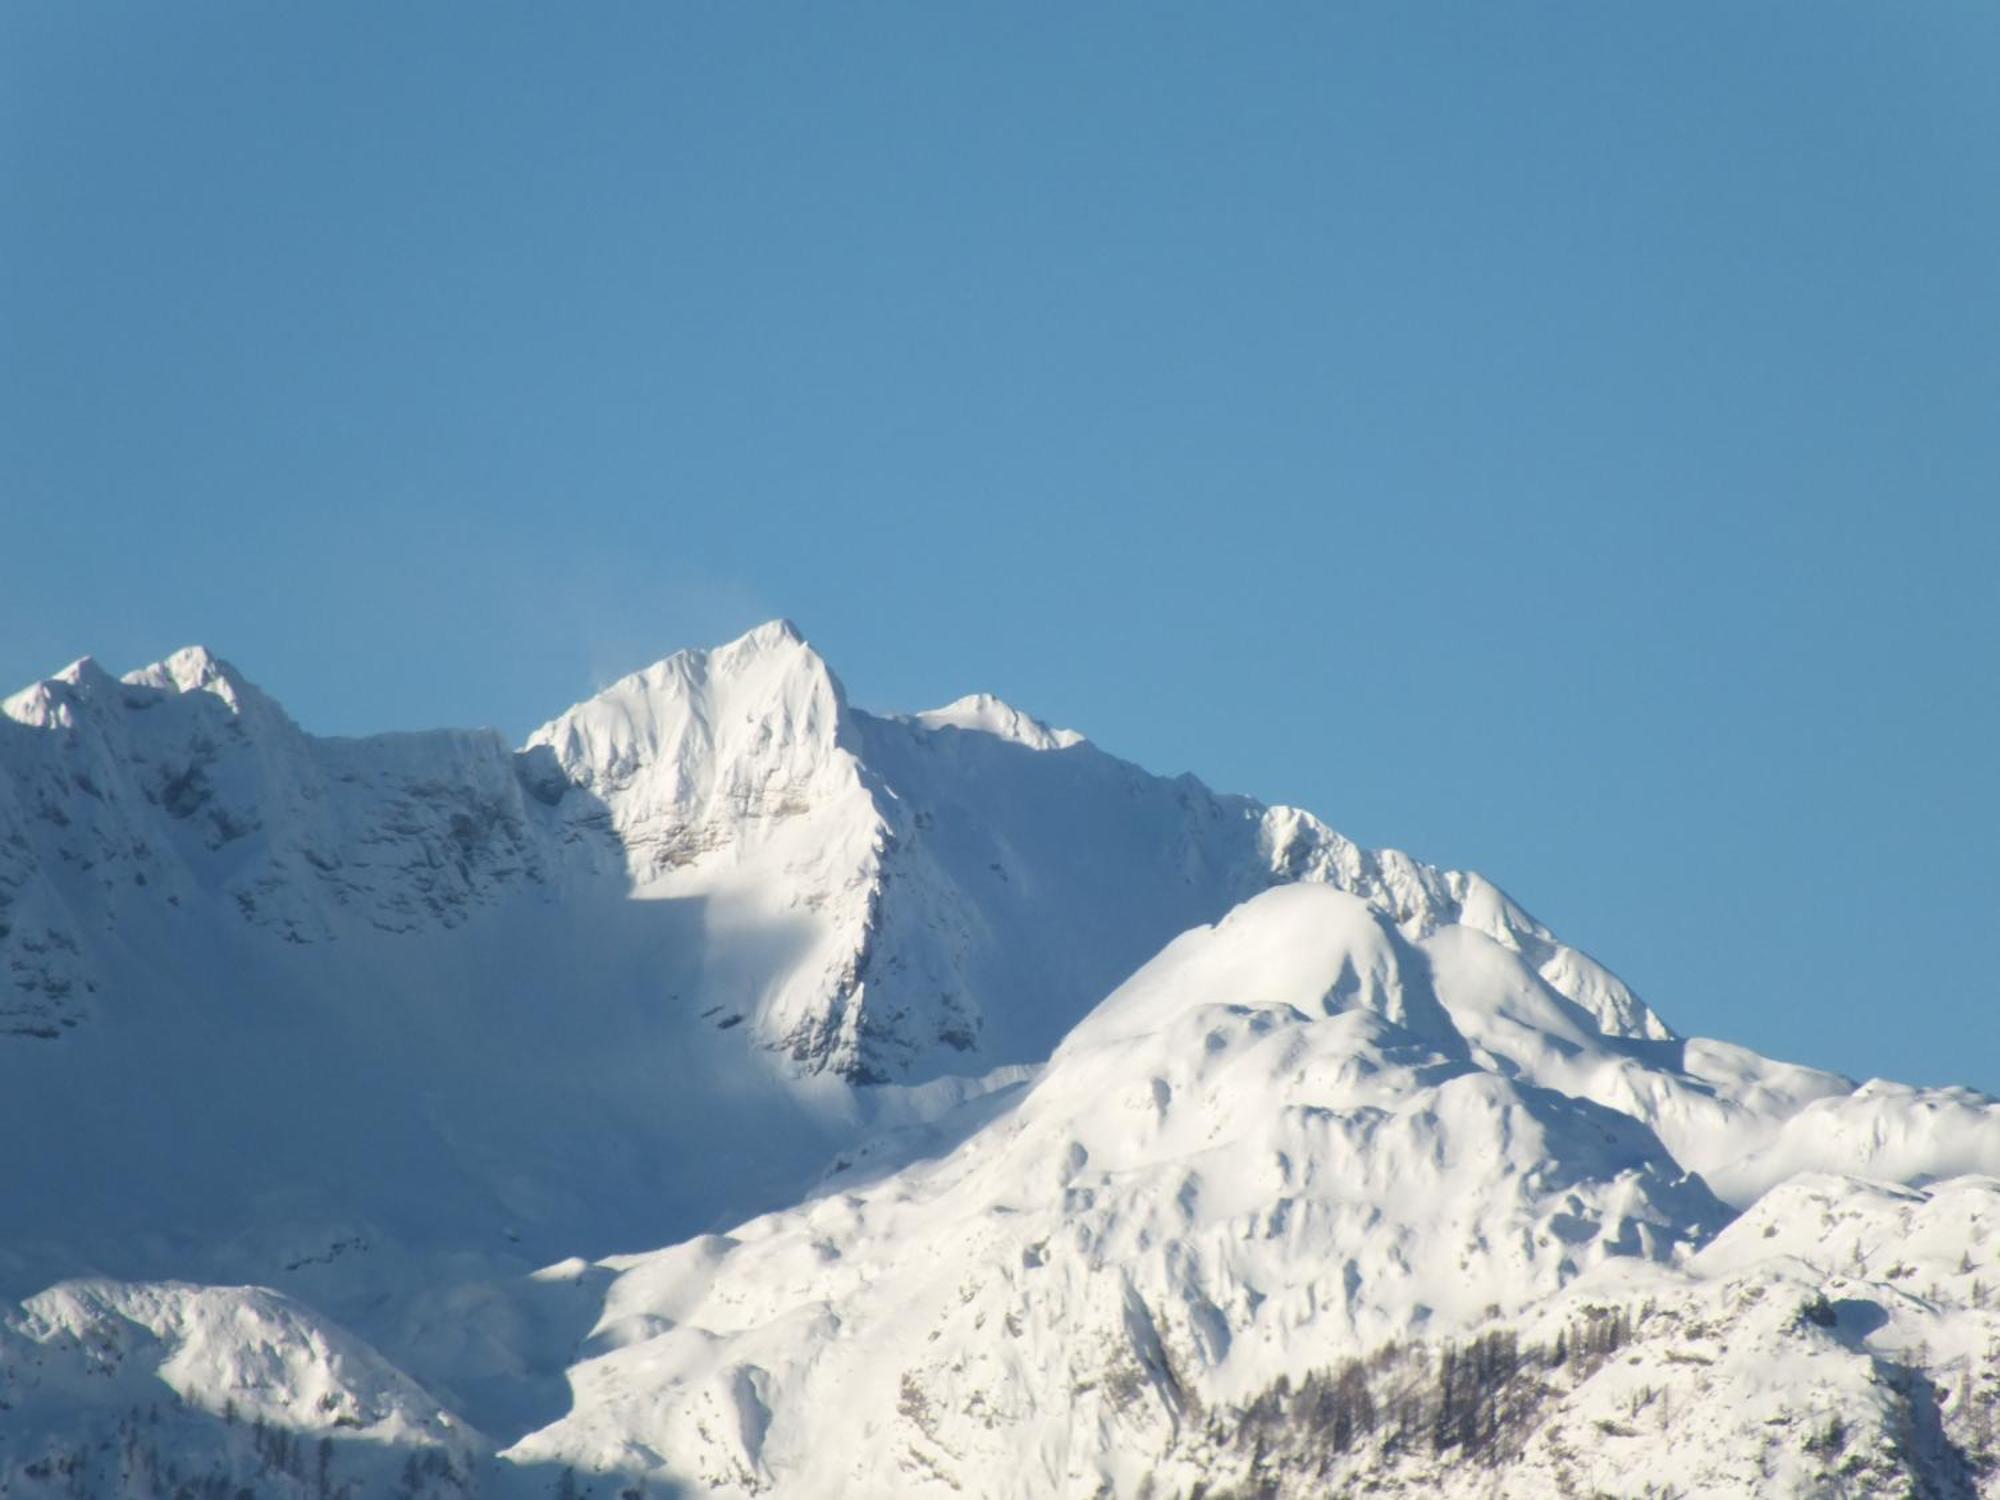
(1018, 1123)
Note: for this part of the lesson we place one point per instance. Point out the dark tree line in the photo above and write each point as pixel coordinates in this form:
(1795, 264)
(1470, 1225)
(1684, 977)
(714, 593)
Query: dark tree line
(144, 1459)
(1476, 1399)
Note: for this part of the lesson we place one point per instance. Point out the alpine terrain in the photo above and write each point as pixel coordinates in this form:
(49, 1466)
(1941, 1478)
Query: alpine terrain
(733, 1092)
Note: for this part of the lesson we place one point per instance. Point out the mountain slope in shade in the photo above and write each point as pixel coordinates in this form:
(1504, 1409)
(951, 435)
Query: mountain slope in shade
(817, 998)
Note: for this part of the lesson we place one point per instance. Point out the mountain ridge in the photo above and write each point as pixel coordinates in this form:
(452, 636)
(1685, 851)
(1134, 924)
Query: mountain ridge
(1015, 1121)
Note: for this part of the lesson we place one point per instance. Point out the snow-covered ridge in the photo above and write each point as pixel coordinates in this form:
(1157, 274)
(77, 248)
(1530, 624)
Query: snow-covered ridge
(111, 1388)
(1015, 1122)
(1271, 1140)
(181, 787)
(1270, 1155)
(737, 731)
(739, 776)
(986, 714)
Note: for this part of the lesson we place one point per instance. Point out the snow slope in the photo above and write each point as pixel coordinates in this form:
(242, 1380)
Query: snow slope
(816, 998)
(1270, 1151)
(1268, 1145)
(302, 1405)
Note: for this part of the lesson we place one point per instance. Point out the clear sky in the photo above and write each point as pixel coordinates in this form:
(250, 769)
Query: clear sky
(1557, 440)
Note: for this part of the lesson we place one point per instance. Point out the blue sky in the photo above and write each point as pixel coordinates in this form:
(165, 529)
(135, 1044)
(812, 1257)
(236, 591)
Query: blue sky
(1557, 440)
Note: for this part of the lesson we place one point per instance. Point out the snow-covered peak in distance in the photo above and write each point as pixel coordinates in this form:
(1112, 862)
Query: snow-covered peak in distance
(194, 669)
(723, 731)
(767, 696)
(989, 715)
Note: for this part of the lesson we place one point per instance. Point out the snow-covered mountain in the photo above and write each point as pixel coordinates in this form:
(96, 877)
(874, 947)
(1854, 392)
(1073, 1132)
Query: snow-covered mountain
(1015, 1122)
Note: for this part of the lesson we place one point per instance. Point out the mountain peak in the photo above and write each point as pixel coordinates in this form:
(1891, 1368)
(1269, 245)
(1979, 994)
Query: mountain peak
(764, 706)
(776, 645)
(189, 670)
(778, 632)
(192, 669)
(196, 669)
(49, 703)
(81, 672)
(983, 713)
(1311, 949)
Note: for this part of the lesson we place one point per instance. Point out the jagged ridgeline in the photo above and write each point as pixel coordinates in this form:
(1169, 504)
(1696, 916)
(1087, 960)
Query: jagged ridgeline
(731, 1091)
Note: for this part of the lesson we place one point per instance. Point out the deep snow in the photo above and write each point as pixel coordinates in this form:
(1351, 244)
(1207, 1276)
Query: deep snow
(1015, 1120)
